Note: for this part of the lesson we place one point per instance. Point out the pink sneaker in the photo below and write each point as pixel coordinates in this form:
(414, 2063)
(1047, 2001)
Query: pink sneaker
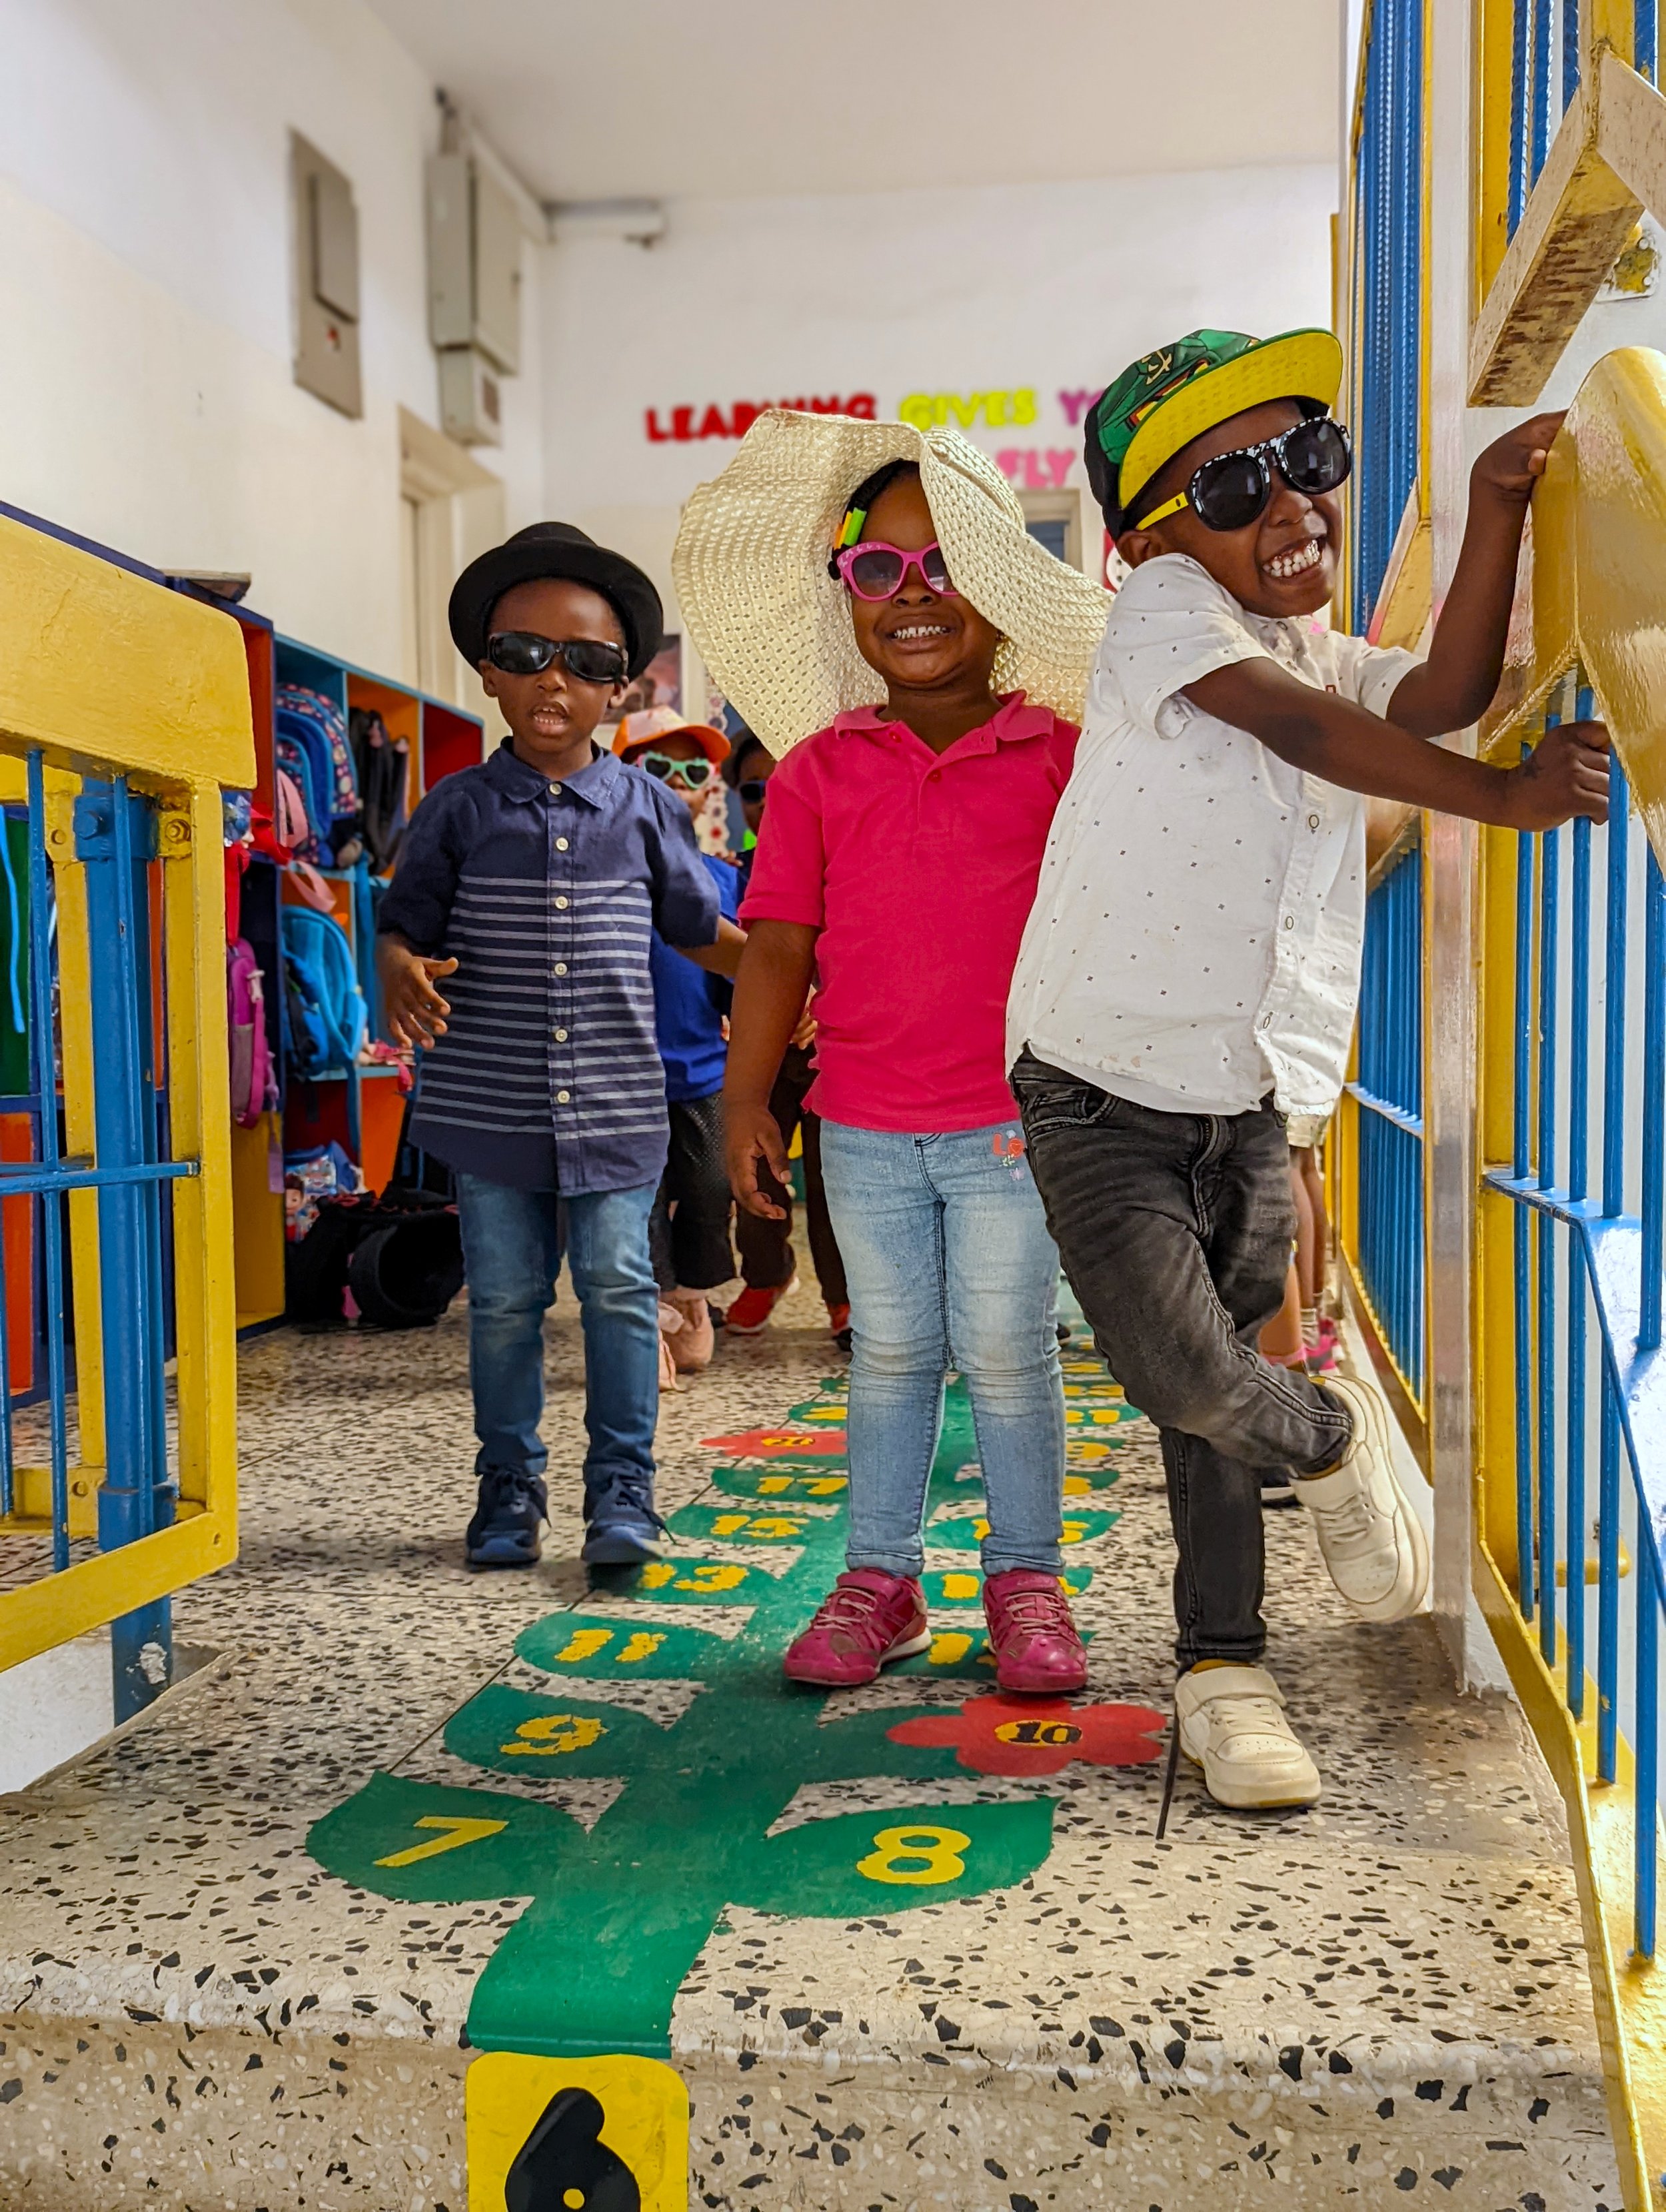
(865, 1618)
(1031, 1634)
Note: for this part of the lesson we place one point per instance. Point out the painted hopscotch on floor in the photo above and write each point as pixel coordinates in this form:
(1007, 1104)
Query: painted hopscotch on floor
(620, 1911)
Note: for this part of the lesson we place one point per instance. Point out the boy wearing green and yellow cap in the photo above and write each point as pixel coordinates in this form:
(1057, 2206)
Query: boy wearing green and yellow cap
(1189, 972)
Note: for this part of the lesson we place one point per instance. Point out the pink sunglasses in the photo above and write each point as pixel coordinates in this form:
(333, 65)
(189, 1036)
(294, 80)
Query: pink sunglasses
(876, 571)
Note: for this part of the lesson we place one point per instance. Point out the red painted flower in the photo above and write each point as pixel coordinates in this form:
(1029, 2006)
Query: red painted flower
(780, 1443)
(1039, 1736)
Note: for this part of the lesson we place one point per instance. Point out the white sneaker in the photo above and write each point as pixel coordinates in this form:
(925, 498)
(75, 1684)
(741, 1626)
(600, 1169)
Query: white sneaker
(1372, 1541)
(1232, 1723)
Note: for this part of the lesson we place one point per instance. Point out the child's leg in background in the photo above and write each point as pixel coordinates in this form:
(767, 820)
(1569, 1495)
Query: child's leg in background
(689, 1230)
(1000, 1285)
(889, 1225)
(823, 1244)
(700, 1254)
(512, 1249)
(607, 1251)
(766, 1252)
(1175, 1231)
(1281, 1338)
(1313, 1240)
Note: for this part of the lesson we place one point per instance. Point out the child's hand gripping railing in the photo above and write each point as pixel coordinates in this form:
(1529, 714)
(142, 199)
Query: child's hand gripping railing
(123, 710)
(1569, 1372)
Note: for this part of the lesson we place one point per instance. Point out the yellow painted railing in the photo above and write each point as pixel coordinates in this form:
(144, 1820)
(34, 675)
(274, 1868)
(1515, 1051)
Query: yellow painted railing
(111, 685)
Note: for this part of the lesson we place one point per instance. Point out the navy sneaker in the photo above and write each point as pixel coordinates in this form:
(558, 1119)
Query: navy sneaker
(513, 1507)
(621, 1528)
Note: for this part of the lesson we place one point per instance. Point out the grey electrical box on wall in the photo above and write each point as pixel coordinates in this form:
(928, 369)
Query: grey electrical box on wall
(324, 226)
(470, 398)
(474, 261)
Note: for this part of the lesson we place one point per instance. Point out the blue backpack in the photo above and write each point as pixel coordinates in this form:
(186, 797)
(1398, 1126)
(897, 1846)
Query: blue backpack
(325, 1016)
(311, 743)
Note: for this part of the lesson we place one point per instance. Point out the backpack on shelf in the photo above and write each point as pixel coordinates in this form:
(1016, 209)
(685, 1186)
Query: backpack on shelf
(253, 1073)
(383, 763)
(315, 728)
(325, 1018)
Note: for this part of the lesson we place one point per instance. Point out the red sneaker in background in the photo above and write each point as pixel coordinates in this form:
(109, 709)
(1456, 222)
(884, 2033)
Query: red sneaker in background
(751, 1311)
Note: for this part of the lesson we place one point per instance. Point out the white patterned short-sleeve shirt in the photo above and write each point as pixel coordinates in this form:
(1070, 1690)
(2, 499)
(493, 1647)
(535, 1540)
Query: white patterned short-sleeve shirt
(1196, 935)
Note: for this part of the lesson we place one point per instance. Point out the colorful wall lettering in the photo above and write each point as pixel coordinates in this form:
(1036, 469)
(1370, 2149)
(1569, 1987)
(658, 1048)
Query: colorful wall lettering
(1074, 405)
(930, 410)
(737, 416)
(1036, 468)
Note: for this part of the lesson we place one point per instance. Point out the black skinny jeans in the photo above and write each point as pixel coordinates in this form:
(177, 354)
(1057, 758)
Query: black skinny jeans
(1175, 1230)
(688, 1231)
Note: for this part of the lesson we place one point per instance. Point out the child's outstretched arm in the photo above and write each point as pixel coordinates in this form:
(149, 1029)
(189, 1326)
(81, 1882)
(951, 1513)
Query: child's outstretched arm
(722, 958)
(1566, 773)
(1455, 686)
(769, 993)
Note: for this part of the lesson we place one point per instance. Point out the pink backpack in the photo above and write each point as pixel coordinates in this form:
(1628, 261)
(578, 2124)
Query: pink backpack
(289, 813)
(253, 1076)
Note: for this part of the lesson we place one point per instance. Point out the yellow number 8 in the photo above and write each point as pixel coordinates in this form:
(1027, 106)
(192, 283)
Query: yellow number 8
(937, 1849)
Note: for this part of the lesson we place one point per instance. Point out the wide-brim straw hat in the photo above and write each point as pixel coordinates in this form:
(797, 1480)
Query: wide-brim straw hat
(773, 628)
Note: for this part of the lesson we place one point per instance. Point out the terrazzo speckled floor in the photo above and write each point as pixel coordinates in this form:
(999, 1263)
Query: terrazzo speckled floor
(1379, 2001)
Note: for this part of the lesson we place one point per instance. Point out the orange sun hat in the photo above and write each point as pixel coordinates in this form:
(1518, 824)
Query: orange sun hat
(650, 722)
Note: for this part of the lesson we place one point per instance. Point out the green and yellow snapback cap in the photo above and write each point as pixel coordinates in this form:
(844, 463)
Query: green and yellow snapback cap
(1168, 398)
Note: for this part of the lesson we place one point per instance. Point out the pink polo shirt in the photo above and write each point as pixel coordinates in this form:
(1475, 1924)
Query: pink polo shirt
(919, 869)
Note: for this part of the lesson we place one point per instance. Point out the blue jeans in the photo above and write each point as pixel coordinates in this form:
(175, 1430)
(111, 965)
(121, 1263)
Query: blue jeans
(513, 1242)
(949, 1264)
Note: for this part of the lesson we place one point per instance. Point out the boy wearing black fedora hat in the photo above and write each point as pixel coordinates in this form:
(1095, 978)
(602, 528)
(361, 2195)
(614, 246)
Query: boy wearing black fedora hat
(530, 887)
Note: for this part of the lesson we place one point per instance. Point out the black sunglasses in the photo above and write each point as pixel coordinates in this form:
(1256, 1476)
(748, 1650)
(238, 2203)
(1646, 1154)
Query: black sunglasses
(1231, 490)
(752, 790)
(524, 653)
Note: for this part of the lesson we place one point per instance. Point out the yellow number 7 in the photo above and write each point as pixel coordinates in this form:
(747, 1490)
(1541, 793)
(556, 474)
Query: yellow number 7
(459, 1832)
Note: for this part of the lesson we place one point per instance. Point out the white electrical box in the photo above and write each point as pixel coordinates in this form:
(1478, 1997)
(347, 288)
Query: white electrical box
(325, 226)
(474, 261)
(470, 398)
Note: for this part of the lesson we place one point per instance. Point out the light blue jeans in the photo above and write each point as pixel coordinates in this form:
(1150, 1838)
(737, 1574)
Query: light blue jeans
(513, 1242)
(950, 1265)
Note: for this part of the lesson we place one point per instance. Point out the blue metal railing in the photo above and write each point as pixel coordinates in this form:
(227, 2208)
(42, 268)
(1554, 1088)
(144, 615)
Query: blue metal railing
(115, 845)
(1546, 66)
(1590, 1381)
(1388, 308)
(1389, 1092)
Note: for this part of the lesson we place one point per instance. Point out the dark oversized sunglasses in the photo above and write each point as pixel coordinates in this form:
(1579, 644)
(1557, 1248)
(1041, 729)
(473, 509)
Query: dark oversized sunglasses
(1231, 490)
(524, 653)
(752, 790)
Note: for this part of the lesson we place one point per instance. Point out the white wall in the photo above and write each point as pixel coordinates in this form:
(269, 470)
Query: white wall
(1051, 286)
(146, 393)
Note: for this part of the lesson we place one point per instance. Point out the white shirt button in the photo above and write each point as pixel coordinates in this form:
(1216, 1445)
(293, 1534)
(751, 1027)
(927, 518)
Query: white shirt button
(561, 842)
(560, 1035)
(562, 902)
(1312, 823)
(1289, 920)
(555, 791)
(561, 967)
(561, 1097)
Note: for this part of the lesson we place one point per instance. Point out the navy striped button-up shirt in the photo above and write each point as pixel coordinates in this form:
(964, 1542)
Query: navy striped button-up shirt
(549, 1074)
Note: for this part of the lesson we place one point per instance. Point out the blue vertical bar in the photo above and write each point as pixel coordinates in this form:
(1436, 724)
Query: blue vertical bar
(1607, 1585)
(1550, 862)
(1645, 40)
(1578, 1172)
(1646, 1802)
(1541, 52)
(1613, 995)
(1570, 51)
(131, 1498)
(1522, 1165)
(1520, 97)
(43, 1081)
(1654, 1101)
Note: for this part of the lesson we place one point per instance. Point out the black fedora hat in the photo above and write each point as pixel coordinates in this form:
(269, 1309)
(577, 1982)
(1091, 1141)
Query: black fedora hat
(555, 548)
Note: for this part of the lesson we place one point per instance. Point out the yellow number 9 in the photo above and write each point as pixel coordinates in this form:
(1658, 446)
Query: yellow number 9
(937, 1848)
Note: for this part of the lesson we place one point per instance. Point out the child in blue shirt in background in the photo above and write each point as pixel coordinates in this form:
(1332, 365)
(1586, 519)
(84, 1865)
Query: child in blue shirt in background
(690, 1230)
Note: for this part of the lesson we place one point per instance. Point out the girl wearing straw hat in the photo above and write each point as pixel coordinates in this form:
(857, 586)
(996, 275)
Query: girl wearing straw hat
(868, 598)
